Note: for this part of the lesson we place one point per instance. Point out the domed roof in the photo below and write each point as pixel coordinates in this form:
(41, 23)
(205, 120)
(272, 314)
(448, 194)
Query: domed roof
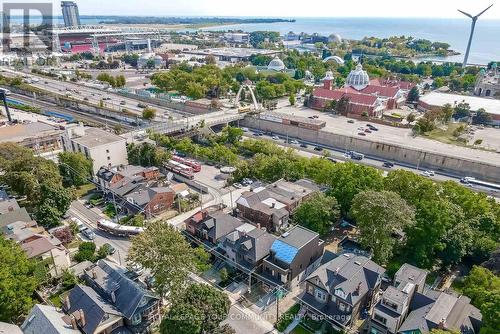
(276, 64)
(335, 38)
(328, 75)
(358, 78)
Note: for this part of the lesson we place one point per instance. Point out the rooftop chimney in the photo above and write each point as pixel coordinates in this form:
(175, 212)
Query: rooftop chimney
(73, 322)
(67, 304)
(83, 321)
(94, 274)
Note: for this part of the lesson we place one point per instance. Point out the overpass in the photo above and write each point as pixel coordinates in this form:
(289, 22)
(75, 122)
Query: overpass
(190, 122)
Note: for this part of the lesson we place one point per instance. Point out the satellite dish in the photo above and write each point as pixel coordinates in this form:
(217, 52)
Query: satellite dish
(170, 176)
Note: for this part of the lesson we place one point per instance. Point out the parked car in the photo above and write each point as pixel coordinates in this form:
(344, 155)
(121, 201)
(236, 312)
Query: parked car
(388, 164)
(247, 181)
(81, 226)
(111, 249)
(237, 185)
(88, 233)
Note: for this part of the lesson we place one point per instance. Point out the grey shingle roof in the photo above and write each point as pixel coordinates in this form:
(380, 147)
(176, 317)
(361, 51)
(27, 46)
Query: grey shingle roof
(44, 319)
(127, 293)
(95, 307)
(14, 216)
(298, 236)
(354, 275)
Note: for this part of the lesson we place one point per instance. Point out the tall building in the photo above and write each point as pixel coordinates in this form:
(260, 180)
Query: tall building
(70, 14)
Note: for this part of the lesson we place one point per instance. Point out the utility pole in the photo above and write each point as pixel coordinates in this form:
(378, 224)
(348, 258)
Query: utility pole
(4, 98)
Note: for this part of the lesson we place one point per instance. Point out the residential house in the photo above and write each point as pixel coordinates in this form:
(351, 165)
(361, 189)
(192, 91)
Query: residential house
(408, 307)
(20, 215)
(7, 204)
(213, 227)
(140, 307)
(342, 288)
(271, 206)
(136, 189)
(91, 313)
(293, 256)
(248, 248)
(48, 248)
(6, 328)
(102, 147)
(45, 319)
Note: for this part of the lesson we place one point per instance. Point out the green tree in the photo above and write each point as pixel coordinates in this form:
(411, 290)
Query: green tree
(291, 99)
(461, 110)
(483, 288)
(200, 310)
(17, 281)
(75, 168)
(164, 251)
(379, 215)
(348, 179)
(481, 117)
(147, 155)
(413, 95)
(318, 213)
(149, 113)
(86, 252)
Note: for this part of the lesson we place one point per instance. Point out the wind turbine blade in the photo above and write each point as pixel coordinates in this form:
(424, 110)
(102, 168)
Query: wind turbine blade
(466, 14)
(484, 11)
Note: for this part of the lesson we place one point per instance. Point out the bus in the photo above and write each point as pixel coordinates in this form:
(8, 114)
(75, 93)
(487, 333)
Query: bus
(117, 229)
(180, 169)
(196, 166)
(471, 180)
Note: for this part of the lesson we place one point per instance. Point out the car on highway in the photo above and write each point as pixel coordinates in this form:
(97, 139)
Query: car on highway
(294, 142)
(361, 134)
(427, 173)
(303, 145)
(275, 138)
(123, 103)
(388, 164)
(317, 148)
(368, 131)
(244, 129)
(88, 233)
(350, 121)
(331, 159)
(371, 127)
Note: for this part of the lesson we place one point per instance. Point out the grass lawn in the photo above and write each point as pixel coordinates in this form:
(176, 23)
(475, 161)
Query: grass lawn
(84, 190)
(287, 318)
(445, 135)
(301, 330)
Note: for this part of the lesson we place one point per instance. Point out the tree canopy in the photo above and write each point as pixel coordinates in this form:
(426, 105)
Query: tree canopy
(17, 281)
(75, 168)
(317, 213)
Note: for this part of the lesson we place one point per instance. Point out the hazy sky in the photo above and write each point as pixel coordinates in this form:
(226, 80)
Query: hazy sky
(293, 8)
(285, 8)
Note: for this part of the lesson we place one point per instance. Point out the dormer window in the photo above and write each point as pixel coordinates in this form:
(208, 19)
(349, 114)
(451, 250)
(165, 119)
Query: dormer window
(340, 293)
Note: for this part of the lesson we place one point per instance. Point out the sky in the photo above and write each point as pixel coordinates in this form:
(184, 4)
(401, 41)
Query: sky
(285, 8)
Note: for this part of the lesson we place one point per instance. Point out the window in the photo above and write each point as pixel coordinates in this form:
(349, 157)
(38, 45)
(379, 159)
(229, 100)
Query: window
(310, 289)
(379, 318)
(390, 304)
(320, 295)
(136, 319)
(342, 307)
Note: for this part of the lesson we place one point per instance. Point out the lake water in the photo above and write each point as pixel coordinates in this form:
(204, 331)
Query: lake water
(485, 46)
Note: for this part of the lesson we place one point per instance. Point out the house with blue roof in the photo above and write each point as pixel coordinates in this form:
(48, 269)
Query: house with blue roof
(292, 256)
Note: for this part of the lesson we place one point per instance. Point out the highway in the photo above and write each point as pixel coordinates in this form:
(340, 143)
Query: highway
(91, 119)
(92, 95)
(340, 156)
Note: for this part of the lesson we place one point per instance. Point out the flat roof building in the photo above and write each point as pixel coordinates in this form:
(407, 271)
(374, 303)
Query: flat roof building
(102, 147)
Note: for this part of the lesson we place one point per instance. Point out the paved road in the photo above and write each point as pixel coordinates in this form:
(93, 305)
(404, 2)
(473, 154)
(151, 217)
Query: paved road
(90, 217)
(339, 155)
(93, 95)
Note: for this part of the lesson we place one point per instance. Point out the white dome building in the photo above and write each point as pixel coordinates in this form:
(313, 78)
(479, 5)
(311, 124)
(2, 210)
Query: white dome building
(335, 38)
(358, 78)
(276, 65)
(328, 76)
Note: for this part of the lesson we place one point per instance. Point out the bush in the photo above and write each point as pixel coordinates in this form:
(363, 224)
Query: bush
(86, 252)
(287, 318)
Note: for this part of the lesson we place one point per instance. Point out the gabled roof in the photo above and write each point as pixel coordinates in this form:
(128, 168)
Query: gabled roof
(354, 96)
(14, 216)
(95, 308)
(111, 279)
(44, 319)
(352, 276)
(38, 247)
(220, 224)
(8, 205)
